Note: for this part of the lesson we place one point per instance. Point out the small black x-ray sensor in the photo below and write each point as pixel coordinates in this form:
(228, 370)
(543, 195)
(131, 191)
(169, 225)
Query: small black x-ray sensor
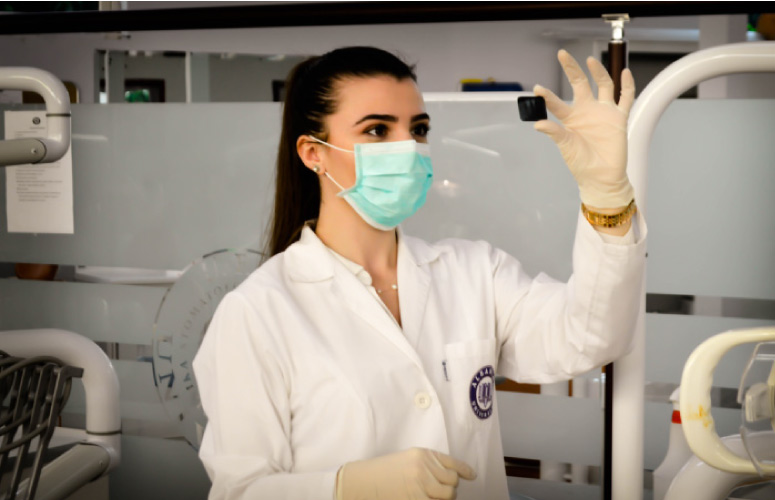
(531, 109)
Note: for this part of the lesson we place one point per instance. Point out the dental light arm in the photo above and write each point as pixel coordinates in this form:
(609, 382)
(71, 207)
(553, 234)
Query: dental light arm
(45, 149)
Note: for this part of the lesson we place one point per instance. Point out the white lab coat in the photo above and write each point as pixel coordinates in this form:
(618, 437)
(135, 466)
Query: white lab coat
(302, 368)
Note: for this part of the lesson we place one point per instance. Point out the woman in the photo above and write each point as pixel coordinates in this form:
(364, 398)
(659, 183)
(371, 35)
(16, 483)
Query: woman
(358, 362)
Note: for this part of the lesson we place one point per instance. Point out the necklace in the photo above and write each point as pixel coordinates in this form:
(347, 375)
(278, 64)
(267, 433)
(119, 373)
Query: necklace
(392, 287)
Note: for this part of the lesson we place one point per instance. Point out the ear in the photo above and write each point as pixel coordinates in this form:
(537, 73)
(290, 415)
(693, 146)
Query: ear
(309, 152)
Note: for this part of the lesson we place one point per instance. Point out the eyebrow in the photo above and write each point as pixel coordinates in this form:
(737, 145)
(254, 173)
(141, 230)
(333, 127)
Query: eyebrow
(391, 118)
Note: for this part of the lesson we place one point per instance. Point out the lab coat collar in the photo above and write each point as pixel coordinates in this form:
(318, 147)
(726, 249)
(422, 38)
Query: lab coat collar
(308, 260)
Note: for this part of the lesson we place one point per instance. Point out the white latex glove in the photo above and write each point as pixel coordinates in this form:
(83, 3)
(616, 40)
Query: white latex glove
(414, 474)
(593, 135)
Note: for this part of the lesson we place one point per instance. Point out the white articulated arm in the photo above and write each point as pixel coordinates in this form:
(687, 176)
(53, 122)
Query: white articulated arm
(103, 413)
(57, 141)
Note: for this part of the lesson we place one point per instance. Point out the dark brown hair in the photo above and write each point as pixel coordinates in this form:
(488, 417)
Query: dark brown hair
(310, 96)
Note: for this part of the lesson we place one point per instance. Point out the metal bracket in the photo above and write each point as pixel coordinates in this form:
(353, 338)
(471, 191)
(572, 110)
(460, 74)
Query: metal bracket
(617, 24)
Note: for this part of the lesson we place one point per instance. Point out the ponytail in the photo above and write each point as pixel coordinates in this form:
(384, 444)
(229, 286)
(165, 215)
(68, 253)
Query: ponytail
(297, 189)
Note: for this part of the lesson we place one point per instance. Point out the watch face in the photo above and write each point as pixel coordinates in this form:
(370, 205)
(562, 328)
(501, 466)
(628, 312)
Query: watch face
(180, 326)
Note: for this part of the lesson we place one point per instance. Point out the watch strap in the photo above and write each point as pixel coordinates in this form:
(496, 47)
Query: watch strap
(606, 220)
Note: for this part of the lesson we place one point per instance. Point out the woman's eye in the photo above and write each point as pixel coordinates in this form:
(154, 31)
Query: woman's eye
(421, 130)
(378, 130)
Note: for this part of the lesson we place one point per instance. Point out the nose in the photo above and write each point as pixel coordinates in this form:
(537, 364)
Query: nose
(404, 135)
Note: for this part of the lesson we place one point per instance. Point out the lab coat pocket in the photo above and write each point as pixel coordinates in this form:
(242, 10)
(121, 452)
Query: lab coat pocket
(470, 369)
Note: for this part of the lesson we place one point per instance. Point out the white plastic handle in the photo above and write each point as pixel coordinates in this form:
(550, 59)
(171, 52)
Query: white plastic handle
(696, 383)
(54, 93)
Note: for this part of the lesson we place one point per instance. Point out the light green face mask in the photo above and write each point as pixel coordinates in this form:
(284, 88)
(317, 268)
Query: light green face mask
(391, 181)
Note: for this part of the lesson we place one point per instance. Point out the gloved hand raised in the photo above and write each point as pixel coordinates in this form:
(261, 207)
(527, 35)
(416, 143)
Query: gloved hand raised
(414, 474)
(593, 135)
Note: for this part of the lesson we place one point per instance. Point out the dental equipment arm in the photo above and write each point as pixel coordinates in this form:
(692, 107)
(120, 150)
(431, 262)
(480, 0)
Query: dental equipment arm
(696, 419)
(45, 149)
(99, 448)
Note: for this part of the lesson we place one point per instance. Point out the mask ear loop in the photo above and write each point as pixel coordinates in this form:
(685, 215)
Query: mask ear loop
(330, 145)
(336, 183)
(334, 147)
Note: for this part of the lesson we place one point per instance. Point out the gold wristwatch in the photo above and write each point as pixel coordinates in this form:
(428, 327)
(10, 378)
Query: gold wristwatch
(615, 220)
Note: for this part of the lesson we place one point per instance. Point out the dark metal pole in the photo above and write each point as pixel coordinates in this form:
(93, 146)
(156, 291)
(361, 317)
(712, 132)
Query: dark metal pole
(617, 61)
(608, 426)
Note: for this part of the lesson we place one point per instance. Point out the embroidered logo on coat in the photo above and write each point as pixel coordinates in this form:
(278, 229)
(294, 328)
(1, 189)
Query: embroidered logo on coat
(481, 392)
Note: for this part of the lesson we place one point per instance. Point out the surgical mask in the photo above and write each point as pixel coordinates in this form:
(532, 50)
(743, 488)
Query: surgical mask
(391, 181)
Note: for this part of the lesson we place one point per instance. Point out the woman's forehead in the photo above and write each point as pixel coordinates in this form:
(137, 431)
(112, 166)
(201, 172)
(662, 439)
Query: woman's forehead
(381, 94)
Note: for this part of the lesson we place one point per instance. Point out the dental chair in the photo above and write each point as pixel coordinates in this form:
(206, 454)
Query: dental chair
(721, 465)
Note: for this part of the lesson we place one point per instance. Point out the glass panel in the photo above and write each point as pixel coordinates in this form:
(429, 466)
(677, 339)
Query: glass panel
(192, 167)
(180, 327)
(497, 179)
(671, 338)
(103, 313)
(149, 156)
(536, 427)
(710, 200)
(159, 186)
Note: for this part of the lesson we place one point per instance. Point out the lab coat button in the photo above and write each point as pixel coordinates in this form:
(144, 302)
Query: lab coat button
(422, 400)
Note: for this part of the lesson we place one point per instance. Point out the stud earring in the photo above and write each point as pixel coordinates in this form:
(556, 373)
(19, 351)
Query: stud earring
(316, 169)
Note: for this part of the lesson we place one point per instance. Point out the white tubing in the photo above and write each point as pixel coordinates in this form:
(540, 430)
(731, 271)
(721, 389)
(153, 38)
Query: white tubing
(57, 101)
(99, 378)
(629, 372)
(103, 412)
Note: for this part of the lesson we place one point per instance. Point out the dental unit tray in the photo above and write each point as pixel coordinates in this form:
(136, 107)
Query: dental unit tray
(33, 392)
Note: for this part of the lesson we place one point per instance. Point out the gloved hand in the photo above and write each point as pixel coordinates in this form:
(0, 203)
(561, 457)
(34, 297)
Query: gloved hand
(414, 474)
(593, 134)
